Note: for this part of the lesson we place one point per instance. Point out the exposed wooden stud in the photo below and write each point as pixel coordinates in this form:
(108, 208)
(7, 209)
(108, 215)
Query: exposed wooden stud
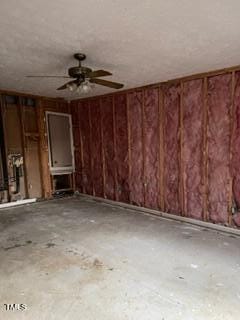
(115, 150)
(102, 151)
(129, 148)
(232, 115)
(161, 147)
(3, 113)
(205, 149)
(145, 182)
(47, 181)
(90, 147)
(176, 80)
(23, 145)
(181, 166)
(82, 158)
(39, 145)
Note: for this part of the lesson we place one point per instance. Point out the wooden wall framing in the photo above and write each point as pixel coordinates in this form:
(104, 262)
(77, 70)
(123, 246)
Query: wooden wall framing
(129, 103)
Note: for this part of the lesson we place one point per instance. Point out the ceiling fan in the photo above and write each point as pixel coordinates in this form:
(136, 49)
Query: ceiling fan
(84, 77)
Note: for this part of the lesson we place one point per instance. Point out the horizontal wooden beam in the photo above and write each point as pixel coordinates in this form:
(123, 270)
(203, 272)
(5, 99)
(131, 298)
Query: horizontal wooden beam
(178, 80)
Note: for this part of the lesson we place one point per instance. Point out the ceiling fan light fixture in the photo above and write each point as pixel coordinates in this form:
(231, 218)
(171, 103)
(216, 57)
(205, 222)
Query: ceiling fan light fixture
(72, 87)
(85, 87)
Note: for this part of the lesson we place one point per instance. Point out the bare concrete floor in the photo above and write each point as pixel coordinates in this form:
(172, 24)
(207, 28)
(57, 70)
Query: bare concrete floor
(79, 259)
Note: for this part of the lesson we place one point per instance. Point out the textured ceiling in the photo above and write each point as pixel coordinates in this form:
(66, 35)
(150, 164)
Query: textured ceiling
(140, 42)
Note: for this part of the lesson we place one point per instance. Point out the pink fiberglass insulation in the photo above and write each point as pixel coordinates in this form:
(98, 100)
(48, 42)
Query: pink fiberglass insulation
(96, 147)
(78, 181)
(78, 164)
(121, 131)
(135, 101)
(192, 152)
(75, 112)
(151, 148)
(108, 146)
(236, 149)
(85, 135)
(76, 137)
(171, 148)
(219, 104)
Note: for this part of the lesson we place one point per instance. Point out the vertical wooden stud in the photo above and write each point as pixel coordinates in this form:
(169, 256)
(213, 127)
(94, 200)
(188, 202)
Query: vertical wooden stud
(205, 149)
(232, 114)
(90, 147)
(161, 147)
(115, 150)
(102, 150)
(181, 166)
(23, 144)
(144, 180)
(39, 145)
(129, 148)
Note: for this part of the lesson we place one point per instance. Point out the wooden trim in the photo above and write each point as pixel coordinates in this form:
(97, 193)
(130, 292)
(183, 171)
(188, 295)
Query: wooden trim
(102, 151)
(145, 181)
(161, 146)
(205, 150)
(232, 115)
(164, 215)
(115, 150)
(181, 166)
(129, 149)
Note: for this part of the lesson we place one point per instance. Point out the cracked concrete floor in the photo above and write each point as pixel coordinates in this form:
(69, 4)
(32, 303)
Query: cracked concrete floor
(80, 259)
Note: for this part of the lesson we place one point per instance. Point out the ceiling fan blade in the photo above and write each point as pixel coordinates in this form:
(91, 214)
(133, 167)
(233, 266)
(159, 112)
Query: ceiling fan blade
(47, 77)
(106, 83)
(98, 73)
(66, 85)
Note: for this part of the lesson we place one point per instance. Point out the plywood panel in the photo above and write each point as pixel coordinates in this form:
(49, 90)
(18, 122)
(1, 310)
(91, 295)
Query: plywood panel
(219, 104)
(135, 102)
(121, 130)
(108, 146)
(171, 148)
(192, 152)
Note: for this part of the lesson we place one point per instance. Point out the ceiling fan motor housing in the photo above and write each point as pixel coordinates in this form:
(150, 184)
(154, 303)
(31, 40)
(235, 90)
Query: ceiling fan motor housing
(79, 72)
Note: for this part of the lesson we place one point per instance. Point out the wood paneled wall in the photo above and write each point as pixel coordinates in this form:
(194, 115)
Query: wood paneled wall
(173, 147)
